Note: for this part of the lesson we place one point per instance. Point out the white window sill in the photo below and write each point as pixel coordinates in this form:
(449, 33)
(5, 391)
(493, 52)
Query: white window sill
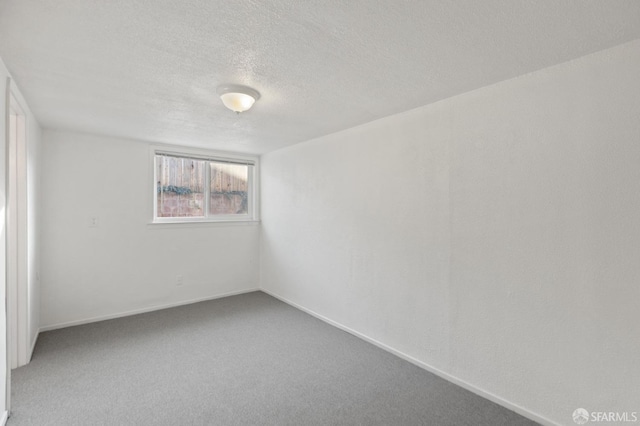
(201, 223)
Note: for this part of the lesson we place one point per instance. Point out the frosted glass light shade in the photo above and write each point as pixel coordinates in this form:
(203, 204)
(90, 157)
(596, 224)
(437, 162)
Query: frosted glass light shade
(238, 98)
(237, 102)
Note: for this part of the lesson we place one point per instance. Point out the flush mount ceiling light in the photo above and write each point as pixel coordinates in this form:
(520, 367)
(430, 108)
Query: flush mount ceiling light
(237, 98)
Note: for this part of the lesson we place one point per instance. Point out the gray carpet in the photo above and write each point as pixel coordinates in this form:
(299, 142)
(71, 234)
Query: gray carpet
(242, 360)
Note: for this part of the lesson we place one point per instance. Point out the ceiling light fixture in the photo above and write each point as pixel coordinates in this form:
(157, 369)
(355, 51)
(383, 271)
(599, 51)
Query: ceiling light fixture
(237, 98)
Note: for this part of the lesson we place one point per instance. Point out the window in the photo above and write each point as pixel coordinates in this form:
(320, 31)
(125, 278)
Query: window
(197, 188)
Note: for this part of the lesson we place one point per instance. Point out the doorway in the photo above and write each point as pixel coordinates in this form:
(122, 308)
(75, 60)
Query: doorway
(17, 289)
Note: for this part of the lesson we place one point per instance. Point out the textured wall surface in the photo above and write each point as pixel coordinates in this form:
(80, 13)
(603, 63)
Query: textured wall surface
(125, 264)
(34, 213)
(510, 257)
(148, 69)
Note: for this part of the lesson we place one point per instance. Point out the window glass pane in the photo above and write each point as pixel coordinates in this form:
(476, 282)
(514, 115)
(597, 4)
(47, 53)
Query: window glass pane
(229, 193)
(180, 186)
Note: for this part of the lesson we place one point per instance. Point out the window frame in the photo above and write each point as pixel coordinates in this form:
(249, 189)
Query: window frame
(208, 156)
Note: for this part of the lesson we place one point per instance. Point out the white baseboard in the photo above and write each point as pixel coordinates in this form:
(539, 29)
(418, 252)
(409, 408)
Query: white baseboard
(468, 386)
(3, 420)
(142, 310)
(33, 345)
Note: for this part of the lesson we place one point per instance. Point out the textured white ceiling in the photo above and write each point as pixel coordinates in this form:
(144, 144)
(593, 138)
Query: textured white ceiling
(148, 69)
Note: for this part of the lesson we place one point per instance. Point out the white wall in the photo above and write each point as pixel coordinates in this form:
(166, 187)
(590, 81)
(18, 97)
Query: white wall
(33, 167)
(125, 264)
(494, 236)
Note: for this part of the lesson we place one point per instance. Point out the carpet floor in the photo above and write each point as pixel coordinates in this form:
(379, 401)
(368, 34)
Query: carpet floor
(242, 360)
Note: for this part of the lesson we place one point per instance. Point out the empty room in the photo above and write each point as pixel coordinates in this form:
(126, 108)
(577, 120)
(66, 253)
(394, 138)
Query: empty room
(320, 213)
